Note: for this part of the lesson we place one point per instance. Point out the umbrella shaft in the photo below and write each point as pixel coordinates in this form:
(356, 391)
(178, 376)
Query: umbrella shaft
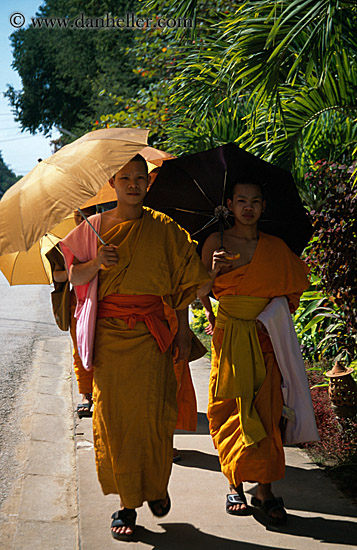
(91, 226)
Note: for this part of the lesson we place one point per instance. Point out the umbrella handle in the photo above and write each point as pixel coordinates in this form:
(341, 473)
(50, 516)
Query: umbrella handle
(221, 229)
(90, 225)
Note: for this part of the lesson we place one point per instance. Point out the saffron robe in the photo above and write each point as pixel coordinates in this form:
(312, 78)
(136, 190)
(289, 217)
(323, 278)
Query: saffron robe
(185, 393)
(83, 376)
(134, 385)
(273, 271)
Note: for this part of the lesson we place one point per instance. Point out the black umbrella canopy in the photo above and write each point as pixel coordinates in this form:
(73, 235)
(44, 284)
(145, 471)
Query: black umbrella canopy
(193, 189)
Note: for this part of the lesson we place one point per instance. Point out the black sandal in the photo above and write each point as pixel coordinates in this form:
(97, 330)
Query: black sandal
(84, 410)
(268, 506)
(157, 507)
(123, 518)
(232, 499)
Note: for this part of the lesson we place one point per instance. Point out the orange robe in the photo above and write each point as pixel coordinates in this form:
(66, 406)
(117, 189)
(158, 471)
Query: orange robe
(83, 376)
(185, 394)
(273, 271)
(134, 385)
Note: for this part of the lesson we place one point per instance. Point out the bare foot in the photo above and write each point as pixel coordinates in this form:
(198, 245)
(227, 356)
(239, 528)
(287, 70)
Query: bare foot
(237, 491)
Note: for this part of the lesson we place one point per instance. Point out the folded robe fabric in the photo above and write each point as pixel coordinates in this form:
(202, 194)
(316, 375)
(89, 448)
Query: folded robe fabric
(241, 369)
(82, 243)
(277, 319)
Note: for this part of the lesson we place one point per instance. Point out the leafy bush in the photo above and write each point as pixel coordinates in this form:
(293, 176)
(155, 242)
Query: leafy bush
(321, 326)
(331, 254)
(199, 323)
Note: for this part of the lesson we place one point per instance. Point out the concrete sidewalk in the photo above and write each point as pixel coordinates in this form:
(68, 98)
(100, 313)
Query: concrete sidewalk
(319, 516)
(56, 502)
(41, 510)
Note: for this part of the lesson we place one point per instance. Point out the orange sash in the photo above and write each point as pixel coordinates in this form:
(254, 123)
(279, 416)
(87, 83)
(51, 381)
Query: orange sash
(138, 308)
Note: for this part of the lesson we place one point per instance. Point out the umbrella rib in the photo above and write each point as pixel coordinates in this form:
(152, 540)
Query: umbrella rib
(224, 186)
(201, 212)
(211, 222)
(197, 184)
(203, 193)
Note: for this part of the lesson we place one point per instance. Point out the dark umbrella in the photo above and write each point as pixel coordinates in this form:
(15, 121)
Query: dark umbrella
(193, 189)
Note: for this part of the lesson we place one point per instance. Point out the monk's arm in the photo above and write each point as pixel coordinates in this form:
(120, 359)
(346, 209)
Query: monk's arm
(213, 259)
(211, 318)
(83, 273)
(59, 275)
(182, 340)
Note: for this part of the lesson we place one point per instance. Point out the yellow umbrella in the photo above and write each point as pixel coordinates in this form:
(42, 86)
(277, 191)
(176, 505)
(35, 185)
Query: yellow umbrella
(32, 267)
(63, 182)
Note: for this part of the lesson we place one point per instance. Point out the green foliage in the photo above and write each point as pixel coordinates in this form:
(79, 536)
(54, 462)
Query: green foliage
(332, 252)
(322, 326)
(7, 176)
(160, 59)
(293, 66)
(63, 70)
(199, 323)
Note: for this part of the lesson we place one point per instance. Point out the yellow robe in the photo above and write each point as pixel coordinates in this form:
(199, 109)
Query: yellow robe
(273, 271)
(185, 393)
(84, 377)
(134, 386)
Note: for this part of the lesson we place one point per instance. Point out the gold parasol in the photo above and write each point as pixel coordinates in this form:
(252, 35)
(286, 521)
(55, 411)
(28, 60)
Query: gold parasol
(32, 266)
(63, 182)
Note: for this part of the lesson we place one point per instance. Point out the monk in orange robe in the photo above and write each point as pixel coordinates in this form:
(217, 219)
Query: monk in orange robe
(245, 397)
(59, 274)
(148, 258)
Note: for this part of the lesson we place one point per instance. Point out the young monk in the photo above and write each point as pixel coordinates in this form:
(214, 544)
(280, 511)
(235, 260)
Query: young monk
(60, 275)
(147, 258)
(255, 274)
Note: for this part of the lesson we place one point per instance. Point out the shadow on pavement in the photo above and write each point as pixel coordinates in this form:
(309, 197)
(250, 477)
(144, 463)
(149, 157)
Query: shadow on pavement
(324, 530)
(187, 536)
(199, 459)
(310, 491)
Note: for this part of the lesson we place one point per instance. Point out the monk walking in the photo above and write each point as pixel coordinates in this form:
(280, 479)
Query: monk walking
(60, 275)
(254, 275)
(123, 335)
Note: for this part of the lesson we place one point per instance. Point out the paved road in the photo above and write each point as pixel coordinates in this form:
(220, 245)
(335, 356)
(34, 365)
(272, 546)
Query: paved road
(25, 318)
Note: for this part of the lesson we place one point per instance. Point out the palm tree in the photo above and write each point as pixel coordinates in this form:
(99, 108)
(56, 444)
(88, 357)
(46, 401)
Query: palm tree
(292, 64)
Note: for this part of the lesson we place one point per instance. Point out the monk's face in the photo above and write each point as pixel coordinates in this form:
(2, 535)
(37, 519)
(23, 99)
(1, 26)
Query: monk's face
(130, 183)
(247, 203)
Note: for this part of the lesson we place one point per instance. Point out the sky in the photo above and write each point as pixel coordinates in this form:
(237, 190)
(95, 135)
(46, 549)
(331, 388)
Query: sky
(20, 150)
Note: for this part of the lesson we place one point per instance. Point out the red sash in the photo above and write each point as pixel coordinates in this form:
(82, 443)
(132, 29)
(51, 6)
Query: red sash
(138, 308)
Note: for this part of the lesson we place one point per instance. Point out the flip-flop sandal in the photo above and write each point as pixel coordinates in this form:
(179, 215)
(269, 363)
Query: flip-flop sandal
(86, 410)
(268, 506)
(232, 500)
(123, 518)
(158, 509)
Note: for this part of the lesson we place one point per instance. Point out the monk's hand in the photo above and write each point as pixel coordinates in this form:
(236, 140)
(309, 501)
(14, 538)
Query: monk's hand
(211, 322)
(261, 327)
(107, 255)
(219, 260)
(181, 345)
